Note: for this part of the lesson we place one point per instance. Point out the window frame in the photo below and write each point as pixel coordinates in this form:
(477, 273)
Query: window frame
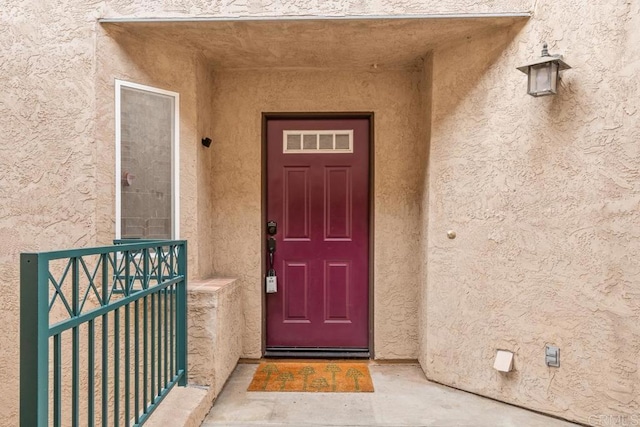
(175, 155)
(334, 133)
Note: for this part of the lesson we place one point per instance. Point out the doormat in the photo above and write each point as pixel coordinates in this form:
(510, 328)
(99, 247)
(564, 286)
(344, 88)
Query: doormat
(327, 377)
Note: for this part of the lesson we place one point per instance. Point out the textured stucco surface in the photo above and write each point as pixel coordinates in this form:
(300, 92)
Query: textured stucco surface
(305, 8)
(346, 43)
(542, 192)
(183, 407)
(215, 331)
(165, 66)
(544, 195)
(426, 86)
(394, 97)
(215, 327)
(47, 152)
(204, 107)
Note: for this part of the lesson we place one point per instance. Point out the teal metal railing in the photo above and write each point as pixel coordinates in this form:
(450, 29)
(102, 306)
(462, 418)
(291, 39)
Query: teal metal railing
(126, 304)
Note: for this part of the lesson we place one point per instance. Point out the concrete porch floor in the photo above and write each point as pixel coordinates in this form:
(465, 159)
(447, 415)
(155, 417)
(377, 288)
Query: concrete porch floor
(402, 397)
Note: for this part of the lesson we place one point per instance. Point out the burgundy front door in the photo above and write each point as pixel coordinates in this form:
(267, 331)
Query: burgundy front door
(318, 193)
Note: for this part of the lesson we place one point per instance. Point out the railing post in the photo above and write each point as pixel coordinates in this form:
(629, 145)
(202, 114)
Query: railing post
(181, 311)
(34, 340)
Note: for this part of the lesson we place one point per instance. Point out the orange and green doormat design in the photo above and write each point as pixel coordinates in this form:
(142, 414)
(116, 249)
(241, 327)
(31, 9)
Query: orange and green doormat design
(345, 377)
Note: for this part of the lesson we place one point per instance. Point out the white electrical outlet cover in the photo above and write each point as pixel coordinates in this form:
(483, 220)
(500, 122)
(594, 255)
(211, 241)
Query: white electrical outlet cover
(504, 361)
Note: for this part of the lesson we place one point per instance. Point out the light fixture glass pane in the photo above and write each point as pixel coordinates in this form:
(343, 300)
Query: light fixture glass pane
(540, 79)
(554, 77)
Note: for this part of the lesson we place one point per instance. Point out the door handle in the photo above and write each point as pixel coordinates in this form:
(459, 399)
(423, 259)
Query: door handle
(271, 249)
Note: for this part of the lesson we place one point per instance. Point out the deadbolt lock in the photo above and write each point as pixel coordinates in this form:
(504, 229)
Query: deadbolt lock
(272, 228)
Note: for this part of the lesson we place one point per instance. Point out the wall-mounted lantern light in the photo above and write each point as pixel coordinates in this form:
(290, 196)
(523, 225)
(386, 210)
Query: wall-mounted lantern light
(544, 73)
(206, 142)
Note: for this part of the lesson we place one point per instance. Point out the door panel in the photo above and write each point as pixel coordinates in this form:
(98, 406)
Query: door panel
(337, 204)
(296, 203)
(318, 192)
(337, 278)
(296, 308)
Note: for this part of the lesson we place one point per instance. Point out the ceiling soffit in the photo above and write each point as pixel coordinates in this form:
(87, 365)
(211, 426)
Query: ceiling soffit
(313, 43)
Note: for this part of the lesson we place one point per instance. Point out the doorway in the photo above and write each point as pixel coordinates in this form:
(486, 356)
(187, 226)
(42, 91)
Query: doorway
(318, 206)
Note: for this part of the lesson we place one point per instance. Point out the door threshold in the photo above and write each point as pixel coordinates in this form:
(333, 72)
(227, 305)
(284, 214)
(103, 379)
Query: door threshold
(317, 353)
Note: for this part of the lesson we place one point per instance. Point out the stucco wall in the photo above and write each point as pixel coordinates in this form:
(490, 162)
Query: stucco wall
(566, 238)
(171, 67)
(544, 195)
(265, 8)
(165, 66)
(204, 237)
(239, 99)
(47, 152)
(57, 154)
(426, 86)
(215, 332)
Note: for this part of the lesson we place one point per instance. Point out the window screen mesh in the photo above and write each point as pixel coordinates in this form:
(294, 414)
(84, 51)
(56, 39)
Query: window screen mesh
(146, 140)
(320, 141)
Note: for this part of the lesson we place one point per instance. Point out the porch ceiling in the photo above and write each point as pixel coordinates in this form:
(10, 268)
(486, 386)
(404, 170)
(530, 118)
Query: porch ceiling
(315, 43)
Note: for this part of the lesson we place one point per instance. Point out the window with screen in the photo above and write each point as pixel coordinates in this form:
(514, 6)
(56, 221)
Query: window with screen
(146, 162)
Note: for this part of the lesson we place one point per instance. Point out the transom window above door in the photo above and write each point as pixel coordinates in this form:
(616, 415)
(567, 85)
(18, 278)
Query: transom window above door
(317, 141)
